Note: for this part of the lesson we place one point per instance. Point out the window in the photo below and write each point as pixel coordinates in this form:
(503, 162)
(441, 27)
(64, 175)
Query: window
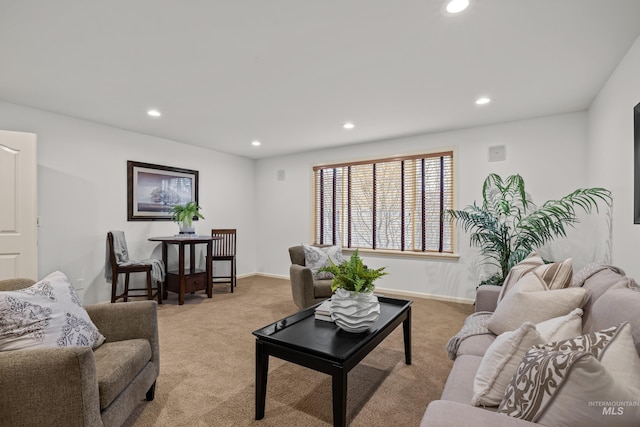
(387, 204)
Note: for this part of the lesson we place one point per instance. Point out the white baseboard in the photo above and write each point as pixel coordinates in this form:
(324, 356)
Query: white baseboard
(383, 290)
(426, 296)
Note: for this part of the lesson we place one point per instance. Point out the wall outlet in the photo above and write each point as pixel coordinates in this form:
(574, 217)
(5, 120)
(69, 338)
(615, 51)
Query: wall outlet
(79, 284)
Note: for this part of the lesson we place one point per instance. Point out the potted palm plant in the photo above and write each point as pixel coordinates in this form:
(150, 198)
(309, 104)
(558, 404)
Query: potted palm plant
(508, 225)
(184, 216)
(354, 307)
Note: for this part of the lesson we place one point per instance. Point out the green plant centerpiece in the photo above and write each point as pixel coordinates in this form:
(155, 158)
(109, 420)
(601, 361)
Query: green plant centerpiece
(508, 226)
(354, 307)
(184, 216)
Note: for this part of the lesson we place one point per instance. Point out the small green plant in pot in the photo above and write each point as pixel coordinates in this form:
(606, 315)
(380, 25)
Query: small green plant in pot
(184, 216)
(353, 275)
(354, 307)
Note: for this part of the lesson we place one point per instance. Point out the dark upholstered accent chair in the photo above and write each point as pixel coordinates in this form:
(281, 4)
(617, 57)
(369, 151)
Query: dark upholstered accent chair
(306, 290)
(78, 386)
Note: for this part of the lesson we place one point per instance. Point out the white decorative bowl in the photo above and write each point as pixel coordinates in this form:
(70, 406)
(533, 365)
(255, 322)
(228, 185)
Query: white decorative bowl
(354, 312)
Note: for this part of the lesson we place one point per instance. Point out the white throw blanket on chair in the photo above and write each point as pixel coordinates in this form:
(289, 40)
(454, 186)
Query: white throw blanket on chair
(122, 258)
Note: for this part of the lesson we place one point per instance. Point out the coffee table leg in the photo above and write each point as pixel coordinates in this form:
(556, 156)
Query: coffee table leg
(406, 328)
(339, 385)
(262, 367)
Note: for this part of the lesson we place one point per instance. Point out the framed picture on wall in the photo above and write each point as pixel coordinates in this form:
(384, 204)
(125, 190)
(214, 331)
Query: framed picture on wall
(636, 164)
(152, 190)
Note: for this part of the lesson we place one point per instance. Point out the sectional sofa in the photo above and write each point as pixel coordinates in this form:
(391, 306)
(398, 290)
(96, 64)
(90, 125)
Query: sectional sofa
(609, 300)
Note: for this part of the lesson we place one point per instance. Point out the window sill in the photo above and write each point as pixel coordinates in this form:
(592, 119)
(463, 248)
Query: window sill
(405, 254)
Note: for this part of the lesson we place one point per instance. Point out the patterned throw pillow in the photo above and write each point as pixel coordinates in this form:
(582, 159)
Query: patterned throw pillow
(47, 314)
(316, 258)
(593, 380)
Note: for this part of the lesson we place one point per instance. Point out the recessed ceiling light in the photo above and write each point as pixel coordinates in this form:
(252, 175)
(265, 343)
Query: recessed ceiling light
(256, 143)
(348, 125)
(154, 113)
(482, 101)
(457, 6)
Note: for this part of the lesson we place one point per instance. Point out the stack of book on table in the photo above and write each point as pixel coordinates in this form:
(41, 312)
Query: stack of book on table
(323, 311)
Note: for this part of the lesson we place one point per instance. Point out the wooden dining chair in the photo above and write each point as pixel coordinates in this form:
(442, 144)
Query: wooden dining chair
(120, 264)
(224, 249)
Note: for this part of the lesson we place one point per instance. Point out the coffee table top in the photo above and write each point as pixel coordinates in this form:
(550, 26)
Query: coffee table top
(302, 331)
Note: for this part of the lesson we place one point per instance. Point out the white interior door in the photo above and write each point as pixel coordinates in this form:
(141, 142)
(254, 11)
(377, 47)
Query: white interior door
(18, 206)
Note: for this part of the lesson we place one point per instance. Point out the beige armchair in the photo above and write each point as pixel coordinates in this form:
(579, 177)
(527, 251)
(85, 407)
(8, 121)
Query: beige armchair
(306, 290)
(77, 386)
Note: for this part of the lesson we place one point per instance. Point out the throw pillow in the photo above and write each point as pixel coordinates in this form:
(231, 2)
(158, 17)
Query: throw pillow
(531, 300)
(557, 275)
(561, 328)
(525, 266)
(316, 258)
(575, 382)
(44, 315)
(499, 363)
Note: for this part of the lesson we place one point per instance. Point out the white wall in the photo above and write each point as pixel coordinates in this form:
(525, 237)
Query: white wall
(610, 154)
(548, 152)
(82, 194)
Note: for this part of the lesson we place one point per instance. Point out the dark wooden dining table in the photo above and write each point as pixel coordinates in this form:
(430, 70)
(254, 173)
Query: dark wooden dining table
(184, 279)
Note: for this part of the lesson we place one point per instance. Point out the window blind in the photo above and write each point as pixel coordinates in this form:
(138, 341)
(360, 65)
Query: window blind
(391, 204)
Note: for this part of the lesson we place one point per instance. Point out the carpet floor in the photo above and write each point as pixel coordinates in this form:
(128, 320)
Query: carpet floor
(207, 365)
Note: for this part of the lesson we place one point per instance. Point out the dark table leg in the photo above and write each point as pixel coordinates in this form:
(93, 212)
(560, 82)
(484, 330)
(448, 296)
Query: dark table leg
(339, 386)
(165, 292)
(181, 281)
(262, 367)
(209, 272)
(406, 329)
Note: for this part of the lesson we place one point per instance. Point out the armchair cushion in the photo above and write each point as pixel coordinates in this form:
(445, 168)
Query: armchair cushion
(317, 257)
(45, 315)
(117, 364)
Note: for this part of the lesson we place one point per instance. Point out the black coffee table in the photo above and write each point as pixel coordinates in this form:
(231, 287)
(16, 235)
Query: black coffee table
(322, 346)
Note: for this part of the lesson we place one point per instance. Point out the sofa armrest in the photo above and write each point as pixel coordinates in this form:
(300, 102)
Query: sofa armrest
(487, 297)
(56, 386)
(125, 321)
(446, 413)
(301, 286)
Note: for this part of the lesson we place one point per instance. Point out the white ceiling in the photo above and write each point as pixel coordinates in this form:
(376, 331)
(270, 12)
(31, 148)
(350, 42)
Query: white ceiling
(291, 72)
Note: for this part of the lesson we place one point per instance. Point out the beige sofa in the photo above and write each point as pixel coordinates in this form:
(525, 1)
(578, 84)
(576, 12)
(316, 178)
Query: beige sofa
(613, 299)
(305, 289)
(76, 386)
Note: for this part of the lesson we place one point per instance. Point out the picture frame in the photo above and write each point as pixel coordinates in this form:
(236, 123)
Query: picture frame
(636, 164)
(152, 190)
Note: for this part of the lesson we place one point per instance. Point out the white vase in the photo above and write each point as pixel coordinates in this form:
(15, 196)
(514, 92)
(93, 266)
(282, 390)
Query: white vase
(187, 229)
(354, 312)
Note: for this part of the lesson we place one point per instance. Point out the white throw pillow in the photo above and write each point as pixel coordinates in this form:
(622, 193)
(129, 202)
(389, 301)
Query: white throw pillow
(525, 266)
(45, 315)
(593, 380)
(316, 258)
(561, 328)
(532, 300)
(499, 363)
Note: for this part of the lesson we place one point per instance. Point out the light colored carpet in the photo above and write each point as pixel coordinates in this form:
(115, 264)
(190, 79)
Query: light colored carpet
(207, 365)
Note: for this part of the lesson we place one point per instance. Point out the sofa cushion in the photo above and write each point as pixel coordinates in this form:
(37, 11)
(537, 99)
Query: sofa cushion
(117, 364)
(48, 314)
(475, 345)
(500, 362)
(598, 284)
(616, 306)
(318, 257)
(532, 300)
(557, 384)
(458, 386)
